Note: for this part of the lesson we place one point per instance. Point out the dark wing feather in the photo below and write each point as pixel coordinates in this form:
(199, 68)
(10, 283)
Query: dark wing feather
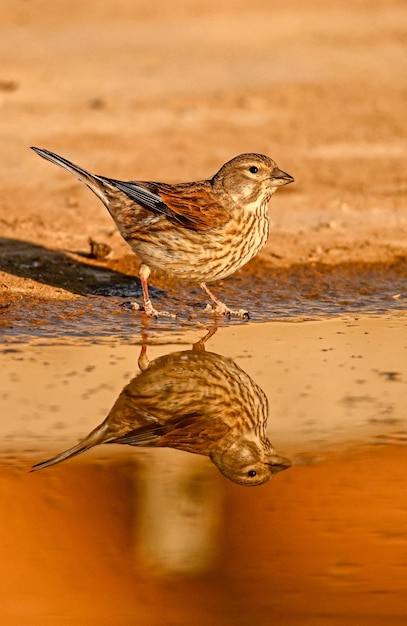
(144, 436)
(136, 192)
(194, 433)
(191, 204)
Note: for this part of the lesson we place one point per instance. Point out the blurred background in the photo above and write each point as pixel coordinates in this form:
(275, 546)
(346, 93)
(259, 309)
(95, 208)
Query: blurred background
(144, 90)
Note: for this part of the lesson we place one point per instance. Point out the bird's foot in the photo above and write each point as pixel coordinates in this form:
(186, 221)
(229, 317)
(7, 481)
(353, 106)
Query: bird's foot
(222, 309)
(242, 313)
(149, 310)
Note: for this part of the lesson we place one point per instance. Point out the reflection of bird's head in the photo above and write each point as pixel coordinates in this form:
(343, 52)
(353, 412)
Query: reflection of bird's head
(249, 463)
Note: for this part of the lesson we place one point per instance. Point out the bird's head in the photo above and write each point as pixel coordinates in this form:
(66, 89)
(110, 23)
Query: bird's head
(248, 463)
(250, 178)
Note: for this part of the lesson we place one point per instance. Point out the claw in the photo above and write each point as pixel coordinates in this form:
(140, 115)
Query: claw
(222, 309)
(149, 310)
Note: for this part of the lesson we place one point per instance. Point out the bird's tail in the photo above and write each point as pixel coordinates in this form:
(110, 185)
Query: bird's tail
(98, 435)
(95, 183)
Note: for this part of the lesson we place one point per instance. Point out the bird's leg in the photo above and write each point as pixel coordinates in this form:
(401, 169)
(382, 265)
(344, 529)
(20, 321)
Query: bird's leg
(221, 308)
(143, 360)
(200, 345)
(144, 273)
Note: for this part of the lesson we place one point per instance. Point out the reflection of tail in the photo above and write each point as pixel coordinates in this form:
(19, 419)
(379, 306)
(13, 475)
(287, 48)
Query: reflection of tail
(94, 183)
(93, 439)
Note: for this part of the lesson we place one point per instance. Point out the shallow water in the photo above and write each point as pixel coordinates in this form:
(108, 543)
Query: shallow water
(297, 293)
(130, 535)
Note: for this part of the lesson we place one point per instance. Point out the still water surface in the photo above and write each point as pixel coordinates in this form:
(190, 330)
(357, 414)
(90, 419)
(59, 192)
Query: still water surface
(124, 535)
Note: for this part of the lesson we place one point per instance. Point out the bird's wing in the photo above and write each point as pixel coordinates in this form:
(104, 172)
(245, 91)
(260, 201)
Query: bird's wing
(144, 436)
(198, 434)
(193, 205)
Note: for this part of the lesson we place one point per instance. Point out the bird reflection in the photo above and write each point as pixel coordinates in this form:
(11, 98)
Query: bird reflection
(196, 401)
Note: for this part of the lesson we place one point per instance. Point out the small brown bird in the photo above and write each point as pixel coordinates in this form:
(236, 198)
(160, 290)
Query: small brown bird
(195, 401)
(201, 231)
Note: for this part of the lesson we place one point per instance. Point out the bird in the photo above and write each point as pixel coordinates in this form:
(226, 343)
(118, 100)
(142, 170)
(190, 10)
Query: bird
(196, 401)
(199, 231)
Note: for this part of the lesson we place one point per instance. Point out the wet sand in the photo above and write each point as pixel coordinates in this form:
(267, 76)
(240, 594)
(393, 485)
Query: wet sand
(170, 92)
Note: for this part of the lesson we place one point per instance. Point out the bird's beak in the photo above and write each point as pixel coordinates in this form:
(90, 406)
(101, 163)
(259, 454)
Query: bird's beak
(280, 178)
(278, 463)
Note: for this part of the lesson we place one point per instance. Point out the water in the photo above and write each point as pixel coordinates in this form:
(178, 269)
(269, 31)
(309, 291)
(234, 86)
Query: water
(269, 293)
(130, 535)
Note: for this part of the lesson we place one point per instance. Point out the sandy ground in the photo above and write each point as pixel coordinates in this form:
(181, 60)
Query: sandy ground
(139, 90)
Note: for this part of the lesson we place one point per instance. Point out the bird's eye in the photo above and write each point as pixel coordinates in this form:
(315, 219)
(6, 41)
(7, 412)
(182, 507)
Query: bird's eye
(252, 473)
(253, 169)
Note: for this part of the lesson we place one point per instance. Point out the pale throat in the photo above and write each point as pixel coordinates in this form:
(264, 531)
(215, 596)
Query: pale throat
(251, 199)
